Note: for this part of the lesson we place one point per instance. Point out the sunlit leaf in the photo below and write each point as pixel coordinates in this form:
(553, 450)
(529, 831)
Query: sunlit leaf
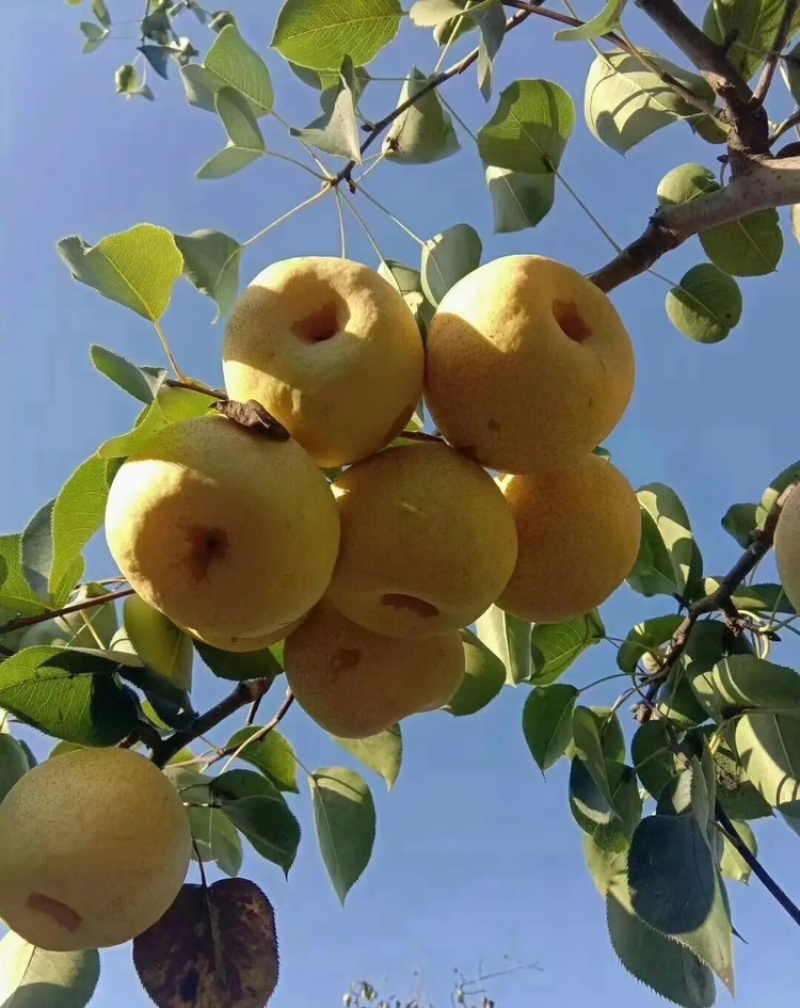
(748, 29)
(556, 646)
(211, 262)
(273, 755)
(509, 637)
(381, 753)
(320, 33)
(706, 305)
(606, 21)
(31, 977)
(529, 129)
(232, 62)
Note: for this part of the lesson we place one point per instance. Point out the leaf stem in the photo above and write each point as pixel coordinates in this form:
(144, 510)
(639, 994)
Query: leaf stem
(168, 350)
(289, 213)
(390, 215)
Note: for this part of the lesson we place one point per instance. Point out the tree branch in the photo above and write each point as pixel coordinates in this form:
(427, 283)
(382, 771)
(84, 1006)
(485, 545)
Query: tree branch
(26, 621)
(755, 865)
(760, 184)
(436, 81)
(781, 37)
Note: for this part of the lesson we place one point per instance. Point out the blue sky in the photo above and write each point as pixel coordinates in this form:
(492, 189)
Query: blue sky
(476, 857)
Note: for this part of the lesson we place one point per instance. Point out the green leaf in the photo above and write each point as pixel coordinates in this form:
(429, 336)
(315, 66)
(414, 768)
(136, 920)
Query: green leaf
(13, 763)
(424, 132)
(733, 865)
(740, 521)
(547, 722)
(604, 865)
(381, 753)
(646, 638)
(754, 27)
(211, 261)
(606, 21)
(652, 573)
(31, 977)
(669, 969)
(672, 521)
(199, 84)
(409, 283)
(750, 246)
(78, 514)
(137, 268)
(228, 161)
(320, 33)
(37, 550)
(484, 677)
(232, 63)
(273, 755)
(344, 816)
(589, 749)
(557, 646)
(519, 200)
(335, 132)
(67, 694)
(492, 26)
(256, 807)
(610, 827)
(653, 756)
(612, 737)
(676, 889)
(171, 405)
(706, 305)
(239, 120)
(624, 102)
(736, 792)
(758, 598)
(686, 182)
(141, 383)
(787, 476)
(239, 666)
(95, 35)
(768, 748)
(529, 129)
(446, 258)
(216, 839)
(430, 13)
(744, 681)
(509, 637)
(15, 592)
(162, 646)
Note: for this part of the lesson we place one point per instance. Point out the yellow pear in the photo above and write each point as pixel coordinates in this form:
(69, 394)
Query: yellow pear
(161, 644)
(786, 544)
(355, 683)
(330, 349)
(243, 644)
(427, 543)
(527, 362)
(220, 527)
(579, 531)
(96, 845)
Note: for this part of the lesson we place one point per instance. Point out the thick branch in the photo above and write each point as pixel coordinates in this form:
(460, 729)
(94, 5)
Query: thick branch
(760, 185)
(26, 621)
(755, 865)
(781, 37)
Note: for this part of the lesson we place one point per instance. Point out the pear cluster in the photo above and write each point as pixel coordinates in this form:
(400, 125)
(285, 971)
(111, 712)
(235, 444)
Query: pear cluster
(366, 549)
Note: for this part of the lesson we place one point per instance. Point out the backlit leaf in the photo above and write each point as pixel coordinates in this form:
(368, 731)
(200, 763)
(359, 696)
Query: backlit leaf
(424, 132)
(556, 646)
(547, 722)
(672, 521)
(320, 33)
(606, 21)
(744, 681)
(273, 755)
(752, 26)
(381, 753)
(706, 305)
(509, 637)
(529, 129)
(344, 815)
(768, 747)
(733, 865)
(232, 62)
(31, 977)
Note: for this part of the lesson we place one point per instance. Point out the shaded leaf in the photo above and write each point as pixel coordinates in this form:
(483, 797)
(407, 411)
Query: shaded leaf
(610, 832)
(547, 722)
(424, 132)
(335, 132)
(381, 753)
(755, 25)
(735, 791)
(158, 57)
(70, 695)
(739, 521)
(606, 21)
(484, 677)
(492, 26)
(199, 84)
(344, 816)
(652, 573)
(529, 129)
(16, 593)
(672, 521)
(733, 865)
(589, 749)
(624, 102)
(211, 262)
(273, 755)
(446, 258)
(320, 33)
(768, 748)
(256, 807)
(227, 162)
(13, 764)
(239, 120)
(653, 756)
(216, 839)
(36, 545)
(509, 637)
(31, 977)
(141, 383)
(239, 666)
(646, 638)
(215, 945)
(706, 305)
(232, 62)
(519, 200)
(556, 646)
(161, 645)
(136, 268)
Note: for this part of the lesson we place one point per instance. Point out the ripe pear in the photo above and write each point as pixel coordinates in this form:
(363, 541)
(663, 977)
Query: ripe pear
(786, 544)
(223, 528)
(355, 683)
(162, 646)
(427, 544)
(527, 362)
(330, 349)
(244, 644)
(96, 845)
(579, 531)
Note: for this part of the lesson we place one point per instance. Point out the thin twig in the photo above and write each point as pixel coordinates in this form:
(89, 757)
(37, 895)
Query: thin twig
(785, 126)
(755, 865)
(259, 735)
(781, 37)
(26, 621)
(195, 387)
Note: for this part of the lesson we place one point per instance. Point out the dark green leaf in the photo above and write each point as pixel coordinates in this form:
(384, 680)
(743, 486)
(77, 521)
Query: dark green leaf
(13, 763)
(606, 21)
(320, 33)
(509, 637)
(232, 62)
(16, 593)
(31, 977)
(646, 638)
(381, 753)
(216, 839)
(141, 383)
(211, 261)
(448, 257)
(136, 268)
(590, 807)
(256, 807)
(344, 815)
(530, 128)
(484, 677)
(753, 27)
(519, 200)
(424, 132)
(652, 573)
(273, 755)
(239, 665)
(589, 749)
(612, 834)
(625, 102)
(739, 521)
(706, 305)
(547, 722)
(612, 737)
(652, 751)
(791, 64)
(70, 695)
(672, 521)
(557, 646)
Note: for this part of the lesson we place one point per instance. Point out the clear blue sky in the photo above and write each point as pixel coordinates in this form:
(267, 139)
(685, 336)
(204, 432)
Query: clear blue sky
(476, 856)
